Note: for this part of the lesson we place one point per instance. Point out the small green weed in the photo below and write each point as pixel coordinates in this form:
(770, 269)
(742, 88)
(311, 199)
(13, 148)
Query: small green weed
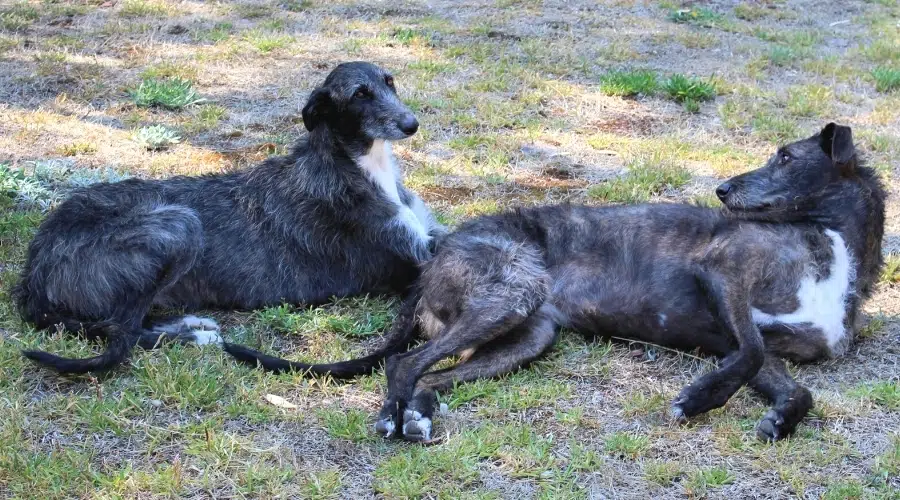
(711, 477)
(646, 177)
(809, 100)
(173, 94)
(78, 148)
(144, 8)
(844, 490)
(662, 473)
(626, 444)
(884, 393)
(886, 79)
(155, 137)
(689, 91)
(698, 16)
(629, 83)
(346, 424)
(890, 273)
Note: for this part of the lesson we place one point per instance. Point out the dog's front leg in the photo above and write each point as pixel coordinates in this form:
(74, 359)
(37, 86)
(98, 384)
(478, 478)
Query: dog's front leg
(731, 305)
(790, 401)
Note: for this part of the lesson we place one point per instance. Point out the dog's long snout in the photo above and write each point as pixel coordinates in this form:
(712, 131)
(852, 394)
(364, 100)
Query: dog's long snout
(723, 190)
(408, 124)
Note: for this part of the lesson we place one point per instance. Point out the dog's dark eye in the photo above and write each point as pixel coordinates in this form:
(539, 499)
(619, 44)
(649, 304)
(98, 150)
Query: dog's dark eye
(361, 93)
(785, 157)
(389, 80)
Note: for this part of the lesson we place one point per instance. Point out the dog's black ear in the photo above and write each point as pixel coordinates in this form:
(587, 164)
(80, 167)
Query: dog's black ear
(316, 108)
(837, 142)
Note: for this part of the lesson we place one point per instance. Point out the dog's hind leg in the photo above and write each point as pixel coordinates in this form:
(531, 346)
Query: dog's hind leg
(110, 270)
(732, 308)
(475, 327)
(185, 329)
(515, 350)
(790, 401)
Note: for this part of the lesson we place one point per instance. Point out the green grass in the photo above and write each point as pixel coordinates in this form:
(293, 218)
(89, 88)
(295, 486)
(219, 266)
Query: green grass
(711, 477)
(626, 445)
(266, 42)
(629, 83)
(646, 177)
(662, 473)
(698, 16)
(352, 425)
(886, 79)
(810, 100)
(144, 8)
(770, 126)
(172, 94)
(78, 148)
(18, 17)
(890, 273)
(884, 393)
(689, 91)
(155, 137)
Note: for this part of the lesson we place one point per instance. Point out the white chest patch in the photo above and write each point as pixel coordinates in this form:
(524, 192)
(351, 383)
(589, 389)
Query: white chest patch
(822, 303)
(380, 166)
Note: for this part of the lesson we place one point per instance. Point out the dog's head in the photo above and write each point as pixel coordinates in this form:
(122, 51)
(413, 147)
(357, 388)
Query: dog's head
(359, 102)
(794, 174)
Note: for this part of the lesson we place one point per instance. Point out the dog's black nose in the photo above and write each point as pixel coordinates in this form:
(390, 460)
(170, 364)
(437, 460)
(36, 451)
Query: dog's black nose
(723, 190)
(408, 125)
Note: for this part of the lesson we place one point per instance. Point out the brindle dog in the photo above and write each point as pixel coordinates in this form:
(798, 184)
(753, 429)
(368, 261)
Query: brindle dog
(779, 273)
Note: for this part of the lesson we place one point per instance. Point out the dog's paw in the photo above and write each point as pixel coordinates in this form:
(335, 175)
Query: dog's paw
(198, 323)
(415, 426)
(203, 337)
(385, 427)
(774, 426)
(389, 421)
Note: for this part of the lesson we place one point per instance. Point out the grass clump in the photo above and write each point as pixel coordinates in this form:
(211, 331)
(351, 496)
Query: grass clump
(646, 177)
(18, 17)
(155, 137)
(19, 189)
(890, 273)
(689, 91)
(627, 444)
(266, 41)
(712, 477)
(346, 424)
(886, 79)
(629, 83)
(809, 100)
(78, 148)
(144, 8)
(173, 93)
(697, 16)
(883, 393)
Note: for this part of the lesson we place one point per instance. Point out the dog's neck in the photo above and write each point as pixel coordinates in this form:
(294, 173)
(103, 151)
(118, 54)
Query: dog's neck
(854, 207)
(378, 163)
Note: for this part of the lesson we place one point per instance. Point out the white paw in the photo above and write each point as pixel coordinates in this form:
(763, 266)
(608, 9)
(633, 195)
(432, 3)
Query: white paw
(416, 427)
(385, 427)
(197, 323)
(203, 337)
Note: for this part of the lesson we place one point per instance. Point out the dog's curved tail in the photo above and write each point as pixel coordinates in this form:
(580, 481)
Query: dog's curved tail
(118, 346)
(402, 332)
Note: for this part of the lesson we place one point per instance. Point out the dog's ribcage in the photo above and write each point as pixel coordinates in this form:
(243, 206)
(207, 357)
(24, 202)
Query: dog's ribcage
(822, 302)
(379, 164)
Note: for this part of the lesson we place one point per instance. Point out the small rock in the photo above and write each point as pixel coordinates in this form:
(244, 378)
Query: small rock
(177, 30)
(155, 403)
(444, 408)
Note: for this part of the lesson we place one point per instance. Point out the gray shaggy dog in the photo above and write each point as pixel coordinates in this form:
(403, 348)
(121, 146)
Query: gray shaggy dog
(330, 219)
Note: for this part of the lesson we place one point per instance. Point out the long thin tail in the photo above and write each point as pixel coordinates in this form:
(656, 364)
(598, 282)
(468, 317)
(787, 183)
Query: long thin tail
(118, 347)
(397, 340)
